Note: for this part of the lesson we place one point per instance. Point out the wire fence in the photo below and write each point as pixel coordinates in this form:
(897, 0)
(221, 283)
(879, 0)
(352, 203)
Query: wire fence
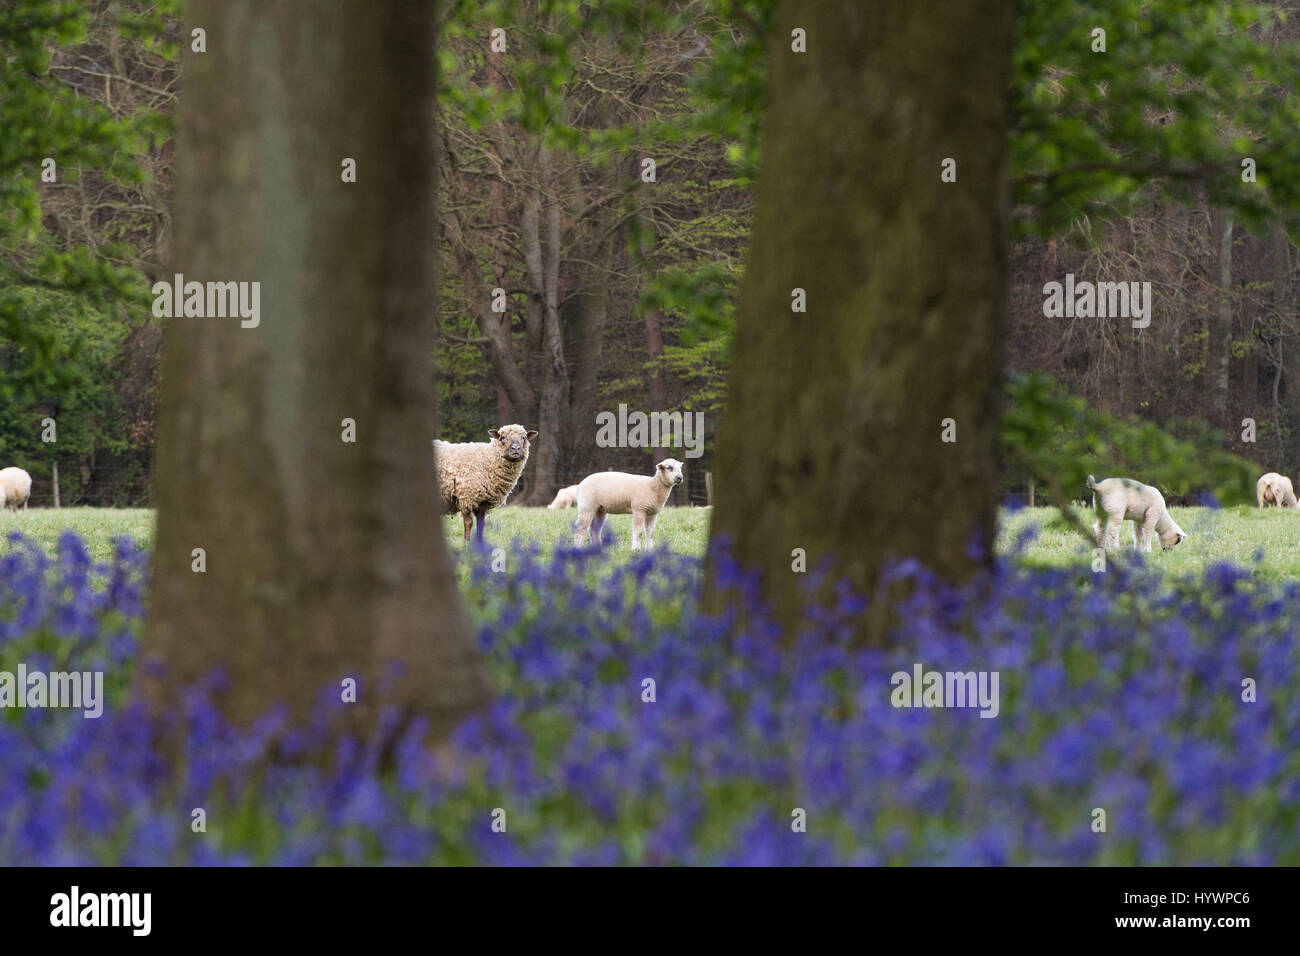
(126, 487)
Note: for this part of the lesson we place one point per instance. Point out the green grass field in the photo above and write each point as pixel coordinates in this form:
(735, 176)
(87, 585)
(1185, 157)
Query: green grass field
(1226, 534)
(1229, 534)
(98, 527)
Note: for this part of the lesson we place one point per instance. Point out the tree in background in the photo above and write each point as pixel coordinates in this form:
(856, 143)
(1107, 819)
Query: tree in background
(1162, 151)
(85, 91)
(322, 557)
(617, 279)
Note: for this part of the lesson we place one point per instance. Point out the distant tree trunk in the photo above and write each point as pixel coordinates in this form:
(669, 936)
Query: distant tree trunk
(1220, 325)
(499, 203)
(552, 411)
(1288, 351)
(324, 559)
(654, 351)
(590, 313)
(831, 437)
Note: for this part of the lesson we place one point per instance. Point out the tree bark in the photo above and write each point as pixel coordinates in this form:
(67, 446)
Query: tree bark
(831, 438)
(1288, 351)
(654, 350)
(552, 411)
(324, 558)
(1220, 326)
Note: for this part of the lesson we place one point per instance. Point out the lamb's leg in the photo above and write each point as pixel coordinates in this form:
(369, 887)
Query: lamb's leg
(469, 522)
(481, 515)
(650, 531)
(1149, 528)
(580, 535)
(638, 529)
(1113, 523)
(596, 524)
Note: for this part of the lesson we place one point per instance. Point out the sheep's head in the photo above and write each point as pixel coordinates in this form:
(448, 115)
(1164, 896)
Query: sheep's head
(513, 440)
(670, 471)
(1172, 536)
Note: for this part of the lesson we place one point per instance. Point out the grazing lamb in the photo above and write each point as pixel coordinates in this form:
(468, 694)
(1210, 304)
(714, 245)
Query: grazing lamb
(1123, 498)
(1275, 489)
(565, 498)
(476, 477)
(15, 488)
(617, 493)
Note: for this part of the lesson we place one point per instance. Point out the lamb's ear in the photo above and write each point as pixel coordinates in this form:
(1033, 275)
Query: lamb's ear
(532, 434)
(492, 432)
(660, 466)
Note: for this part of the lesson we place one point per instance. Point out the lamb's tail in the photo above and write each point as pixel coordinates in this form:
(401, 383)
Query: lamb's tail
(1092, 482)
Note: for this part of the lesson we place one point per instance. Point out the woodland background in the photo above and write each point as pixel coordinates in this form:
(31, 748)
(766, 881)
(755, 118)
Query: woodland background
(622, 293)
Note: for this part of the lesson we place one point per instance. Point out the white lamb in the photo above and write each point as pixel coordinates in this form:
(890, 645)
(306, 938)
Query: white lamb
(565, 498)
(1121, 499)
(476, 477)
(15, 488)
(1275, 489)
(618, 493)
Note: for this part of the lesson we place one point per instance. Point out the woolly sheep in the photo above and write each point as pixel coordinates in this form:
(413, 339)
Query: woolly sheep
(15, 487)
(565, 498)
(1123, 498)
(476, 477)
(618, 493)
(1275, 489)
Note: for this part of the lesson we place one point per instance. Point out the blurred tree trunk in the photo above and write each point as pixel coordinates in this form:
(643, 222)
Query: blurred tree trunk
(324, 559)
(831, 437)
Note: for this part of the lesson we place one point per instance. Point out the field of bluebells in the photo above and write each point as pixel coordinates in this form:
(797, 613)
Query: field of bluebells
(1120, 691)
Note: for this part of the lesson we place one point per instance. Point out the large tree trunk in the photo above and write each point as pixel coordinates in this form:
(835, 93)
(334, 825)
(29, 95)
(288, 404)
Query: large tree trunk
(324, 559)
(831, 436)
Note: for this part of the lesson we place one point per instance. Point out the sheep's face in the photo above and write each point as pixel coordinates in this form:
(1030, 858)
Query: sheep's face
(1173, 537)
(670, 471)
(513, 441)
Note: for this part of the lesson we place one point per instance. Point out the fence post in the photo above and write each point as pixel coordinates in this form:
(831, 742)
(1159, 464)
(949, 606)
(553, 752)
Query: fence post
(708, 487)
(55, 479)
(1031, 492)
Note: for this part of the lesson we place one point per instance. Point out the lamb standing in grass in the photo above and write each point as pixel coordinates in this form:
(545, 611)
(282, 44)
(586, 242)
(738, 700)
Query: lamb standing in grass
(15, 488)
(1275, 489)
(618, 493)
(1123, 498)
(565, 498)
(476, 477)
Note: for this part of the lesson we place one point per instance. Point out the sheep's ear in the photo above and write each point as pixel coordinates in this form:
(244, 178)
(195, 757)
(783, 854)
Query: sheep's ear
(660, 466)
(532, 434)
(492, 432)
